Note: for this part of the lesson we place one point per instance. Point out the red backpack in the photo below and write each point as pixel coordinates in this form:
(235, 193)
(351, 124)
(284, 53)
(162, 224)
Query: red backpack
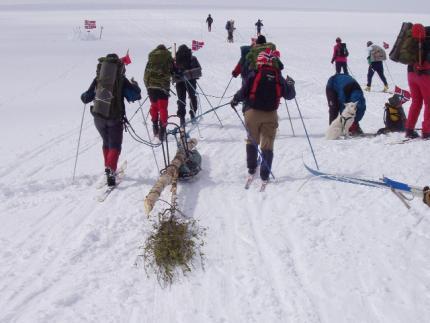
(265, 91)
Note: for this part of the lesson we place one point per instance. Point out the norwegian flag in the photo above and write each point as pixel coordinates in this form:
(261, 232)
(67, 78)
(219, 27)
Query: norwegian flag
(267, 56)
(385, 45)
(405, 96)
(90, 24)
(126, 59)
(196, 45)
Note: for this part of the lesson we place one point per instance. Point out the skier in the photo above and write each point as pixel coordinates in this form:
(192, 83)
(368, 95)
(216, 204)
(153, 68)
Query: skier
(261, 94)
(259, 24)
(108, 91)
(419, 84)
(158, 73)
(242, 66)
(341, 89)
(209, 21)
(376, 55)
(230, 29)
(187, 71)
(340, 54)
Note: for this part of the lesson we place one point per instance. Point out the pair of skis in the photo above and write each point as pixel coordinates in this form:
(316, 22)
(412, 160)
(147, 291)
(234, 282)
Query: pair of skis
(249, 181)
(398, 188)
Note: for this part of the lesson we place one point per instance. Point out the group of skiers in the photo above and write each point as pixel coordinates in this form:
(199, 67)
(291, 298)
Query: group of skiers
(263, 86)
(229, 26)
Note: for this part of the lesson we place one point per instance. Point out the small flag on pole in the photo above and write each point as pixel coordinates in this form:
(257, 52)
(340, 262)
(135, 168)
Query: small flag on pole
(90, 24)
(405, 96)
(386, 45)
(126, 59)
(196, 45)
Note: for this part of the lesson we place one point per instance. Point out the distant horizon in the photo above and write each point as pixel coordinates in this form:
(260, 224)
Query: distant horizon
(413, 6)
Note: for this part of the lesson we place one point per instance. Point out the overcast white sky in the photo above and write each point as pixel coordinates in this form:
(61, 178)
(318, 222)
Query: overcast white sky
(421, 6)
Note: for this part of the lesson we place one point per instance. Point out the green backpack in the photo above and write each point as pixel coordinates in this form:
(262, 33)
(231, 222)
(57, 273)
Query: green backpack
(251, 57)
(405, 49)
(108, 102)
(159, 68)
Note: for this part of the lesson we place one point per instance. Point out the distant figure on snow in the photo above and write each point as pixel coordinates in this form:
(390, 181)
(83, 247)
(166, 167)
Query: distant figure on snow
(340, 54)
(259, 24)
(108, 91)
(209, 21)
(229, 26)
(376, 56)
(341, 89)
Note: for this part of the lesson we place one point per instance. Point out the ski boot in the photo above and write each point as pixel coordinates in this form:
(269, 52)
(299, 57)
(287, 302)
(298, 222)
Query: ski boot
(155, 128)
(385, 89)
(162, 133)
(367, 88)
(110, 177)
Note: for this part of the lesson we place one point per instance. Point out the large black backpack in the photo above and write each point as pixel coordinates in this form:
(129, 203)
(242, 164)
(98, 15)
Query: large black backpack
(265, 90)
(108, 102)
(343, 51)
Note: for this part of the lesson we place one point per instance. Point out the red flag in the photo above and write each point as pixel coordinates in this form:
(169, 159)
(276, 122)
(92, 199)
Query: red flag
(386, 45)
(405, 96)
(196, 45)
(126, 59)
(90, 24)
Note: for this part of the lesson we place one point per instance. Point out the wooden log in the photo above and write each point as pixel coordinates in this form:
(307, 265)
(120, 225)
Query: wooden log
(171, 172)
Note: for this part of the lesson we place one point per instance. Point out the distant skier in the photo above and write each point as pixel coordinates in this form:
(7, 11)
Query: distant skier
(229, 26)
(108, 91)
(187, 71)
(261, 94)
(341, 89)
(157, 77)
(376, 56)
(259, 24)
(340, 54)
(209, 21)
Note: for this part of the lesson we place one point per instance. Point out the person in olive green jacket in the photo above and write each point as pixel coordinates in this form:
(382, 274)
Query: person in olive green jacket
(157, 77)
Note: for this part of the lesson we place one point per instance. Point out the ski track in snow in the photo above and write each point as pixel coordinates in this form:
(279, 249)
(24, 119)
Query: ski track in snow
(306, 250)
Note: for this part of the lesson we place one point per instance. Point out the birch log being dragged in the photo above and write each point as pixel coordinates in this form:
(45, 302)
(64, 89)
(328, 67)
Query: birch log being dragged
(171, 172)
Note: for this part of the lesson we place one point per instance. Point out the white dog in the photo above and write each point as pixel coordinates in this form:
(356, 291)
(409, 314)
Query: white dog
(340, 126)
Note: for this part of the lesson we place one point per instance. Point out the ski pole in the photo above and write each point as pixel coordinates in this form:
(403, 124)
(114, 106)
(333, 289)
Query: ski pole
(147, 131)
(79, 142)
(222, 97)
(307, 136)
(389, 73)
(289, 117)
(254, 142)
(219, 120)
(139, 108)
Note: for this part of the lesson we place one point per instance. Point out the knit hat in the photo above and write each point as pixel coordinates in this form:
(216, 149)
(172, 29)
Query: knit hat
(261, 39)
(338, 40)
(369, 43)
(394, 101)
(267, 56)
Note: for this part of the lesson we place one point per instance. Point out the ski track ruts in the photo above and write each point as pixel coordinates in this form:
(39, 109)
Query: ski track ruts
(293, 299)
(23, 158)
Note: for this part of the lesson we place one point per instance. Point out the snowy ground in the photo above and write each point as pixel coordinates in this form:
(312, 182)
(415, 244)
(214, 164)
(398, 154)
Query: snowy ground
(320, 252)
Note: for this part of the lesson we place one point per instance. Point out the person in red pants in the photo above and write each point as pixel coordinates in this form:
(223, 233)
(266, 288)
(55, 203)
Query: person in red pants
(419, 85)
(157, 77)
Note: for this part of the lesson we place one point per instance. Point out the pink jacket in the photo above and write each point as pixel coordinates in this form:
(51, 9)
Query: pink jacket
(336, 58)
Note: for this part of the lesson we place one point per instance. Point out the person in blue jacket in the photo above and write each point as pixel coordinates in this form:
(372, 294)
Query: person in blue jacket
(108, 108)
(341, 89)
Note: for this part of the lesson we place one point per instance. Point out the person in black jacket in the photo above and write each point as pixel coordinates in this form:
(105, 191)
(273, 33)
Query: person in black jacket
(209, 21)
(109, 109)
(259, 24)
(187, 71)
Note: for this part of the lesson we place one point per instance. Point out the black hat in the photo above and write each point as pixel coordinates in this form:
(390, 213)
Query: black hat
(394, 101)
(369, 43)
(338, 40)
(261, 40)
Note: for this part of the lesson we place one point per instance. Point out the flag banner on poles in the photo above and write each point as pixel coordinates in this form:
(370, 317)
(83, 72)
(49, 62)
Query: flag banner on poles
(90, 24)
(385, 45)
(196, 45)
(405, 96)
(126, 59)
